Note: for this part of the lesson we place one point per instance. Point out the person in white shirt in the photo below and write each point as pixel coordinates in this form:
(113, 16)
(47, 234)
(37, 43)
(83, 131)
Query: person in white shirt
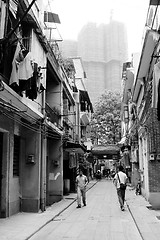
(81, 181)
(119, 179)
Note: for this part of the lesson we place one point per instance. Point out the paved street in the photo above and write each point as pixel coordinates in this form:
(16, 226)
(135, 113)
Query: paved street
(100, 219)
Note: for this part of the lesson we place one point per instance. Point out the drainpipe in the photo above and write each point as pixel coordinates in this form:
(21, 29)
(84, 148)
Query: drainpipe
(43, 169)
(7, 16)
(43, 159)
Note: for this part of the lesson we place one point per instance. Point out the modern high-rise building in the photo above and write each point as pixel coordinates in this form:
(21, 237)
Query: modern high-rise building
(103, 49)
(68, 48)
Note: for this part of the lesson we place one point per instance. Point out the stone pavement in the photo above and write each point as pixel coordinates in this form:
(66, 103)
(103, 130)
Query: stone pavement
(23, 225)
(146, 219)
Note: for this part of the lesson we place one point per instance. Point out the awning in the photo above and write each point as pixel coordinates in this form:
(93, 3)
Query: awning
(108, 149)
(74, 147)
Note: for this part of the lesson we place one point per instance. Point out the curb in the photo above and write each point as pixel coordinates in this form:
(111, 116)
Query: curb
(56, 215)
(134, 220)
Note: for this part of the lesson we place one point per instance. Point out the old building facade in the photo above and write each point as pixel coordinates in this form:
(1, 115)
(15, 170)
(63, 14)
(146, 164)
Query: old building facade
(36, 103)
(141, 99)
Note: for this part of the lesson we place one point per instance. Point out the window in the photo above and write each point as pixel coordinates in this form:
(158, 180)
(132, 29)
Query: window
(16, 155)
(26, 35)
(2, 17)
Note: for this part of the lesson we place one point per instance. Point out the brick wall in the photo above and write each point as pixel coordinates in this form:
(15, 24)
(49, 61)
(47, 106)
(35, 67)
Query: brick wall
(153, 126)
(154, 176)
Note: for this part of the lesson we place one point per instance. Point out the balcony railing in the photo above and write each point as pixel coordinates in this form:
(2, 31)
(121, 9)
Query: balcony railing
(53, 115)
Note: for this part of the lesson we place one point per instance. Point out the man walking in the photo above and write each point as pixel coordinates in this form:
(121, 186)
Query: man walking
(81, 181)
(120, 180)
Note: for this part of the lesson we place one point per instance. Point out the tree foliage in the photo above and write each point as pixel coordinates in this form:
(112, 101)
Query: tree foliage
(106, 122)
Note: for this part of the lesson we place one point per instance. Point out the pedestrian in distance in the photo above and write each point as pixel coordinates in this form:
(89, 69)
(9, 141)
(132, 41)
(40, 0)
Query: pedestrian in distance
(98, 175)
(138, 188)
(108, 174)
(120, 181)
(81, 182)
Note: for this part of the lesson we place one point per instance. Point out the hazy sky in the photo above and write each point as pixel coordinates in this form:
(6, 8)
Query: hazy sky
(76, 13)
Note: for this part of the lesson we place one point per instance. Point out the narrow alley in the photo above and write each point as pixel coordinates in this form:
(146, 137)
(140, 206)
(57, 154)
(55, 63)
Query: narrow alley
(100, 219)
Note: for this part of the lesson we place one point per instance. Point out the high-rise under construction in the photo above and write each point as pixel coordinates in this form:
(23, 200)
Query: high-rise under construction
(103, 49)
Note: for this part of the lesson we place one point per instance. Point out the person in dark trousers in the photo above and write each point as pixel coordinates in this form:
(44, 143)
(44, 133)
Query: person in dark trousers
(98, 174)
(120, 181)
(138, 188)
(81, 181)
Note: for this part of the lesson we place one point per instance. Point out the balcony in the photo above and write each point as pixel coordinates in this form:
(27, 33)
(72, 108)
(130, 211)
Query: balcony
(25, 107)
(53, 115)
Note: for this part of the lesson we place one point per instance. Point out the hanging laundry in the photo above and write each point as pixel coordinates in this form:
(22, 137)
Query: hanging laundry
(26, 66)
(21, 65)
(32, 90)
(14, 78)
(22, 70)
(25, 73)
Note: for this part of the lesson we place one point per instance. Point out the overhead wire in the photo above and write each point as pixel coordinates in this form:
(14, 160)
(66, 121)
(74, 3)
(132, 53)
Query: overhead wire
(20, 122)
(20, 40)
(37, 129)
(28, 21)
(29, 126)
(17, 110)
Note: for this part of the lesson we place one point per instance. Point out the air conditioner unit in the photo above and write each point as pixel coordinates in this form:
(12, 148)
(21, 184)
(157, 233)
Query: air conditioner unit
(158, 157)
(56, 162)
(151, 157)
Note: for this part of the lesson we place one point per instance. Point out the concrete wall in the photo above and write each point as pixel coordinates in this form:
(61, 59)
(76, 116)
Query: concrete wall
(14, 196)
(54, 171)
(5, 174)
(10, 195)
(154, 200)
(30, 173)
